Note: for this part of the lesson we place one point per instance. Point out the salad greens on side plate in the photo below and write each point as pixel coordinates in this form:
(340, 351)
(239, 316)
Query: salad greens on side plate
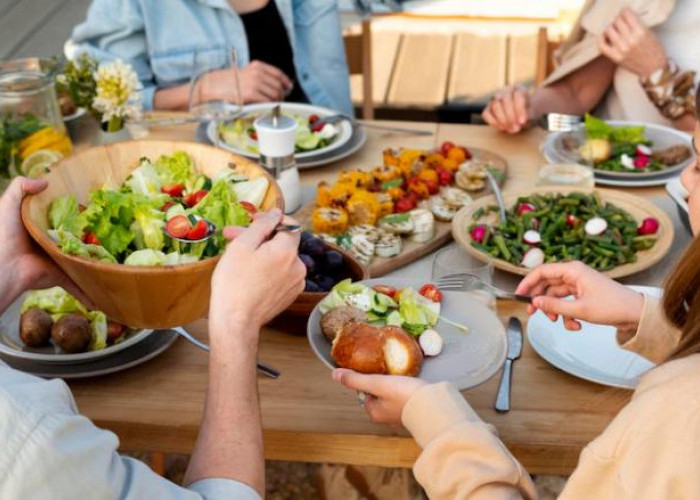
(128, 225)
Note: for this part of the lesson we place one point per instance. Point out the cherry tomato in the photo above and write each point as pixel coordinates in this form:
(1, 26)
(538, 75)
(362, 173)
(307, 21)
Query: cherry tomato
(167, 205)
(386, 290)
(175, 190)
(313, 119)
(193, 199)
(405, 203)
(433, 186)
(431, 292)
(445, 177)
(91, 239)
(199, 230)
(178, 227)
(114, 330)
(318, 127)
(445, 148)
(467, 154)
(249, 207)
(254, 135)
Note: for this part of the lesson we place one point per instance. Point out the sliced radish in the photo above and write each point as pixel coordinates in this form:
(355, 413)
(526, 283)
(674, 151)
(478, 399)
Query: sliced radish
(533, 258)
(627, 162)
(644, 150)
(532, 237)
(524, 208)
(430, 342)
(572, 220)
(478, 233)
(535, 224)
(642, 162)
(650, 225)
(595, 226)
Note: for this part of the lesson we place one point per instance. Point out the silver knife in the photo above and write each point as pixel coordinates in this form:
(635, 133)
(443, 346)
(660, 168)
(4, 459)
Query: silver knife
(514, 335)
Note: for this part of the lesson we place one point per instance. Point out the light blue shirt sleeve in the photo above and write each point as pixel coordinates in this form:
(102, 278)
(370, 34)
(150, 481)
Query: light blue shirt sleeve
(50, 451)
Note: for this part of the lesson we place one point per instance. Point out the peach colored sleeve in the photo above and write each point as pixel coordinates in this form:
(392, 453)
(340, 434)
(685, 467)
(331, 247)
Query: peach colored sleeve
(655, 338)
(462, 456)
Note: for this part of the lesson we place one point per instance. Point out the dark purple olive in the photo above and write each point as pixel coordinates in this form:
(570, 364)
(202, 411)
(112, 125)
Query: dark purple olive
(312, 246)
(308, 262)
(332, 259)
(312, 286)
(306, 235)
(325, 282)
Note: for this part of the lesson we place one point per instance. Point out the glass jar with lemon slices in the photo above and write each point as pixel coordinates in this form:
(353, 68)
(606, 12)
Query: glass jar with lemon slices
(32, 133)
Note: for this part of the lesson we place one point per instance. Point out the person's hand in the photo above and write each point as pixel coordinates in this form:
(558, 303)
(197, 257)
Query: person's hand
(386, 395)
(630, 44)
(257, 277)
(261, 82)
(24, 266)
(597, 298)
(509, 110)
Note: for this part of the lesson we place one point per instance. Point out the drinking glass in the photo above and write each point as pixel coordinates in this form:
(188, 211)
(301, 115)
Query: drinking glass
(215, 93)
(454, 260)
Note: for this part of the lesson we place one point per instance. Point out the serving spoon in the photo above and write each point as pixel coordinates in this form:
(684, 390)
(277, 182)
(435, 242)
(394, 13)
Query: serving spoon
(211, 230)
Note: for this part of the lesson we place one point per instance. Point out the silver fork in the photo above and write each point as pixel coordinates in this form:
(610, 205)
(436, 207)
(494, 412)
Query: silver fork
(333, 119)
(465, 282)
(264, 369)
(558, 122)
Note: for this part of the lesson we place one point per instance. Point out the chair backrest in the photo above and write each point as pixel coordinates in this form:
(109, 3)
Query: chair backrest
(546, 49)
(358, 52)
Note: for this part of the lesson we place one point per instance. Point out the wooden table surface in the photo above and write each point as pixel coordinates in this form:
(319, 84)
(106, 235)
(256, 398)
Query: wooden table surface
(307, 417)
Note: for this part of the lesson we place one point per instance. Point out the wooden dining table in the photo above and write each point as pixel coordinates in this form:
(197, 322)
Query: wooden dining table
(307, 417)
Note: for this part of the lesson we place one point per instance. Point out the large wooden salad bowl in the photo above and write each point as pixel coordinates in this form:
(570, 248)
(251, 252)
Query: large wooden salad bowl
(141, 297)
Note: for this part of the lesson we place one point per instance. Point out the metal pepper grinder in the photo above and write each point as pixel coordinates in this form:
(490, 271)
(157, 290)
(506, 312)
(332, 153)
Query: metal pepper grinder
(276, 142)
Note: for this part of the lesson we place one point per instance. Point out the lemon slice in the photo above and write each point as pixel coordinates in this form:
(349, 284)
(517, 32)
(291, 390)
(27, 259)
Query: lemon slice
(37, 162)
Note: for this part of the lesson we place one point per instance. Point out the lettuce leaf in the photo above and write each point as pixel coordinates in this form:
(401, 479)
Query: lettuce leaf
(177, 168)
(252, 191)
(597, 128)
(145, 257)
(65, 214)
(145, 179)
(73, 246)
(220, 208)
(98, 326)
(149, 226)
(55, 301)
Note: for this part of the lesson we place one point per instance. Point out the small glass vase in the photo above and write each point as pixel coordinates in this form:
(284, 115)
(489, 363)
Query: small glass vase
(102, 137)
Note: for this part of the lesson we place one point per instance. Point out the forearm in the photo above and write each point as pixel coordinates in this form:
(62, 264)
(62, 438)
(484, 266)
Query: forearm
(172, 98)
(230, 442)
(12, 285)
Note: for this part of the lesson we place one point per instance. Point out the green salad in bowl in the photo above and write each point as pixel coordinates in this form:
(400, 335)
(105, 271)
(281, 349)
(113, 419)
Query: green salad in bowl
(148, 219)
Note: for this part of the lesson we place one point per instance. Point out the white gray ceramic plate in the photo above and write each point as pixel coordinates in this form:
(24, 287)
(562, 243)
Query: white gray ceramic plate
(591, 353)
(135, 355)
(661, 136)
(12, 345)
(467, 359)
(305, 110)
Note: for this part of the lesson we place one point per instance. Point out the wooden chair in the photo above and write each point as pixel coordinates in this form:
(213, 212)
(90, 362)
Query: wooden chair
(545, 55)
(358, 50)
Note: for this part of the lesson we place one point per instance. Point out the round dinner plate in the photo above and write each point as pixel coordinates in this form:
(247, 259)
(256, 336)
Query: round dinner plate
(467, 359)
(135, 355)
(637, 207)
(656, 181)
(345, 128)
(662, 137)
(11, 345)
(592, 353)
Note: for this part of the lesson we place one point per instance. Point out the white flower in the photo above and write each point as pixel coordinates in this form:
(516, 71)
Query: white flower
(117, 85)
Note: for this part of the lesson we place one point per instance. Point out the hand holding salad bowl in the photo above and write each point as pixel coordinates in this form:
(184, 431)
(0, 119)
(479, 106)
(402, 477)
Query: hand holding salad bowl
(139, 226)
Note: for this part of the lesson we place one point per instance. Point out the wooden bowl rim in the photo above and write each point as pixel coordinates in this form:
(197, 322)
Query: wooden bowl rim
(51, 246)
(661, 249)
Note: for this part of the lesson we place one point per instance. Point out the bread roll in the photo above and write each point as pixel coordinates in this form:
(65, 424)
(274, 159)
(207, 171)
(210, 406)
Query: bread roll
(368, 349)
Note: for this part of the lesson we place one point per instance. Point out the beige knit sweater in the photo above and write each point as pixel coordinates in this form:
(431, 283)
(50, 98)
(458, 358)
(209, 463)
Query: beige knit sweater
(650, 450)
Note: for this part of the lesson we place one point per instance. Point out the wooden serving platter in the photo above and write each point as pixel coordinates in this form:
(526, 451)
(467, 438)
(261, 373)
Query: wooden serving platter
(411, 251)
(637, 207)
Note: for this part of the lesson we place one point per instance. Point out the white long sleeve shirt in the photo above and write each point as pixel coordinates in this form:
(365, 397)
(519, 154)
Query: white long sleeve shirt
(48, 450)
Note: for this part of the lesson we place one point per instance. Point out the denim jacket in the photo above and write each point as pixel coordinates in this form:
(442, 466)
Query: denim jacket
(159, 39)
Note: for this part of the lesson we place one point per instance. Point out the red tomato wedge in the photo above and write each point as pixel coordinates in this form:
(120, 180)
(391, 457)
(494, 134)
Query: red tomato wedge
(386, 290)
(114, 330)
(199, 230)
(431, 292)
(193, 198)
(91, 239)
(313, 119)
(250, 208)
(178, 227)
(175, 190)
(167, 205)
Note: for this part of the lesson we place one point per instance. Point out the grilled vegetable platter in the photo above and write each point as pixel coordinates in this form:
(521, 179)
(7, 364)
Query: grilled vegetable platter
(612, 232)
(400, 210)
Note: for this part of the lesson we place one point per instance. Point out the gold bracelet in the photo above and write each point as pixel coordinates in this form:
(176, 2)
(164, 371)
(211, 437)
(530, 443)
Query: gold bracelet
(671, 90)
